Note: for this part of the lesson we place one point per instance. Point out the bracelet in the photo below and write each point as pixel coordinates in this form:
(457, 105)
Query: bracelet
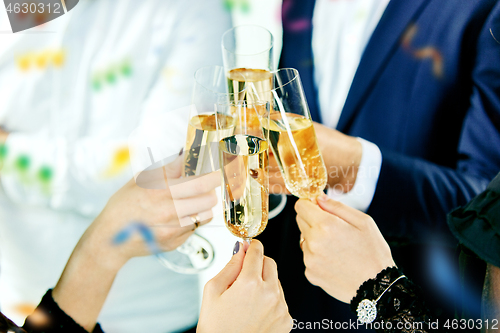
(367, 309)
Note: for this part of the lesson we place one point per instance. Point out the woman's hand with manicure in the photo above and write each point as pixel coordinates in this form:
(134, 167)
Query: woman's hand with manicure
(342, 246)
(159, 211)
(246, 296)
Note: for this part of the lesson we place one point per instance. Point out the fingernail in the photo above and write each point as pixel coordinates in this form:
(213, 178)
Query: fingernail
(182, 149)
(236, 248)
(323, 197)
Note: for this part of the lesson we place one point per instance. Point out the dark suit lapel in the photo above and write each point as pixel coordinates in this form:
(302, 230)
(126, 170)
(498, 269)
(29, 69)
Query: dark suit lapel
(383, 43)
(297, 51)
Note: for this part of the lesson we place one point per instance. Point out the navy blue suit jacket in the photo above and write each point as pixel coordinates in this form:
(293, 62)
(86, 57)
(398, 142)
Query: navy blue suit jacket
(427, 92)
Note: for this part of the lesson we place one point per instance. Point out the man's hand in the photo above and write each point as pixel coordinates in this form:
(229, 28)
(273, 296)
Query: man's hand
(341, 154)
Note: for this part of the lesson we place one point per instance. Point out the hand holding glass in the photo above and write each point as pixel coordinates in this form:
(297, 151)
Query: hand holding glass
(292, 137)
(200, 157)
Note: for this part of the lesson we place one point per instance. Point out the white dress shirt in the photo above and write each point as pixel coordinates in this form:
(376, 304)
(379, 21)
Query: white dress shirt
(341, 30)
(71, 92)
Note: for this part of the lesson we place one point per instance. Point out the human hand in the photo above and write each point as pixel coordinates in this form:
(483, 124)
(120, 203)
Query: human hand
(342, 156)
(342, 246)
(95, 261)
(246, 296)
(163, 211)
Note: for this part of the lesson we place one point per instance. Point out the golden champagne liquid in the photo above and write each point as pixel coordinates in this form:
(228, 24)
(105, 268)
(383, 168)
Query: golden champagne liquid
(244, 161)
(201, 152)
(259, 83)
(297, 154)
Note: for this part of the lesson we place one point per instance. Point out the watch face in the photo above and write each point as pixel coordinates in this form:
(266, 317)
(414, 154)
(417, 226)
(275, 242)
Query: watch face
(367, 311)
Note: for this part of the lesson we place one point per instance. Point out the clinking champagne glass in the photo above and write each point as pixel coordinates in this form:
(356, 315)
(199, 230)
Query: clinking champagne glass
(201, 148)
(247, 52)
(292, 137)
(201, 156)
(244, 160)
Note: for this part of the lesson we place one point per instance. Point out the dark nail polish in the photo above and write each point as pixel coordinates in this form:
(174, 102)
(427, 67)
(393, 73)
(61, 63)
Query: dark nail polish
(236, 248)
(182, 149)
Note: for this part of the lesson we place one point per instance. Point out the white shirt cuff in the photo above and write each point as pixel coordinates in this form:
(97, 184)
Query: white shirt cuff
(361, 194)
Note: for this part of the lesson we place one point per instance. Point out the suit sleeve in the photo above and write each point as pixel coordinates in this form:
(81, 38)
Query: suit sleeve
(413, 195)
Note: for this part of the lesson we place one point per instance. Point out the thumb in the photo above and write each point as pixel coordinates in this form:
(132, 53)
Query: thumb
(222, 281)
(174, 168)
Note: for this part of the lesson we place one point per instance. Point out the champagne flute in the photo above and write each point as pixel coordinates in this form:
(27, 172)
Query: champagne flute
(201, 156)
(244, 164)
(292, 137)
(247, 52)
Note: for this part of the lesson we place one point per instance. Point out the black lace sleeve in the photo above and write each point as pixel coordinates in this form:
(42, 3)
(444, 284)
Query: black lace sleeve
(49, 318)
(400, 309)
(7, 326)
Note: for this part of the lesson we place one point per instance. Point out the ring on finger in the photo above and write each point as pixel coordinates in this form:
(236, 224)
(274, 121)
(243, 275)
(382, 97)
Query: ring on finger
(302, 240)
(196, 220)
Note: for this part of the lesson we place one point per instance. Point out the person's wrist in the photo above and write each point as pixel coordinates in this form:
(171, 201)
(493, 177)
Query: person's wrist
(100, 260)
(86, 280)
(373, 288)
(85, 264)
(99, 250)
